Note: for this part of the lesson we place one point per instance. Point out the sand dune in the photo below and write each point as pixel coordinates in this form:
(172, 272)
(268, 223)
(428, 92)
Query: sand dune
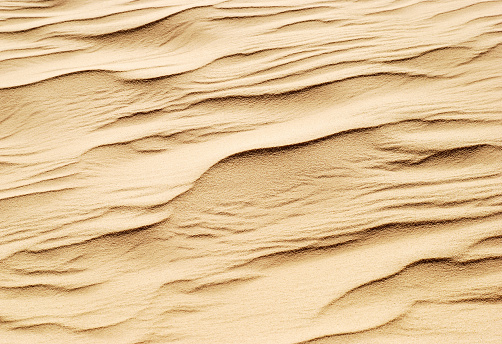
(286, 171)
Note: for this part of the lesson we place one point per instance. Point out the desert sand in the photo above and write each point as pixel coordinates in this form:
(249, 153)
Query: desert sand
(250, 171)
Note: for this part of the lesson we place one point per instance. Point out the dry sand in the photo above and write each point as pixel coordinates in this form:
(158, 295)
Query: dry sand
(276, 172)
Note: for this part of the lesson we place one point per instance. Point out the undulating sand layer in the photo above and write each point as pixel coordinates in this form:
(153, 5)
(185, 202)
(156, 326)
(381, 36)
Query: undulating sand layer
(250, 171)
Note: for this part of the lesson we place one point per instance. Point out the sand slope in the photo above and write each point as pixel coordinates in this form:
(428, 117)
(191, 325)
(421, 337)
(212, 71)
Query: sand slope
(240, 171)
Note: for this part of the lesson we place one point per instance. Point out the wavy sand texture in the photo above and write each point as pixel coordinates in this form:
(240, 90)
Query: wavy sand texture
(250, 171)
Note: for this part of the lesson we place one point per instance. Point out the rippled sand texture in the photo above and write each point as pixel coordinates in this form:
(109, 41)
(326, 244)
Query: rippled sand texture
(286, 171)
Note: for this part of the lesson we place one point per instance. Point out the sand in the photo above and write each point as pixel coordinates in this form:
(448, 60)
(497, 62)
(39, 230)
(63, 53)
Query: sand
(286, 171)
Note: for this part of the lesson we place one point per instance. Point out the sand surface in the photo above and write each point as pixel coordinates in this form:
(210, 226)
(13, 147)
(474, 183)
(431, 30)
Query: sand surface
(250, 171)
